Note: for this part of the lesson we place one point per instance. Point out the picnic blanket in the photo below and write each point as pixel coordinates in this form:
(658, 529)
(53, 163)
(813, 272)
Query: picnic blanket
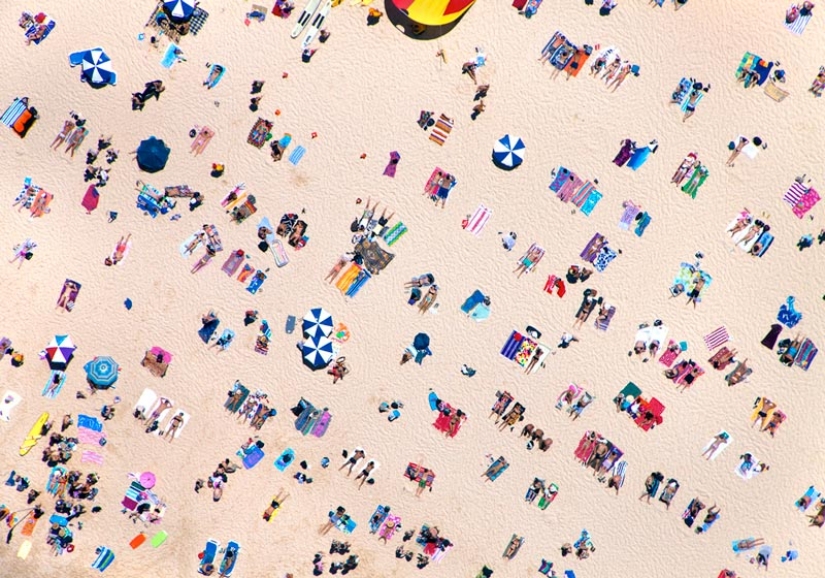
(257, 136)
(375, 258)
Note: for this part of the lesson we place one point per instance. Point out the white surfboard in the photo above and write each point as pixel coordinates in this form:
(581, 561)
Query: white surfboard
(303, 20)
(317, 23)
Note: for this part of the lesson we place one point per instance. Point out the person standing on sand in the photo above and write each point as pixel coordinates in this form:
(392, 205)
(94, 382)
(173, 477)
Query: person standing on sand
(478, 109)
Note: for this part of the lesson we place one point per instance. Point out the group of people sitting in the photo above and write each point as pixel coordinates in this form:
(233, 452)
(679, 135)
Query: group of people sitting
(416, 285)
(100, 173)
(60, 449)
(535, 437)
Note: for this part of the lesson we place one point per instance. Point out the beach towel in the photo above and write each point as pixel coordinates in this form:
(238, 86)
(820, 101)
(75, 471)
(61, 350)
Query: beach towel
(668, 357)
(562, 176)
(90, 457)
(257, 135)
(686, 100)
(358, 283)
(806, 203)
(629, 214)
(569, 187)
(442, 129)
(478, 220)
(788, 315)
(511, 346)
(214, 82)
(104, 559)
(721, 447)
(88, 436)
(795, 193)
(13, 112)
(593, 199)
(807, 353)
(525, 351)
(563, 55)
(375, 258)
(296, 155)
(716, 338)
(575, 65)
(558, 39)
(389, 170)
(696, 180)
(811, 493)
(603, 259)
(798, 26)
(47, 29)
(776, 93)
(746, 470)
(580, 196)
(89, 422)
(603, 324)
(642, 224)
(196, 23)
(395, 233)
(171, 56)
(54, 384)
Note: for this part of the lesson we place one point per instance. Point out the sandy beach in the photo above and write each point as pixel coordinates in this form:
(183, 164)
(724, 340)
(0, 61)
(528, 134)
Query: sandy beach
(350, 107)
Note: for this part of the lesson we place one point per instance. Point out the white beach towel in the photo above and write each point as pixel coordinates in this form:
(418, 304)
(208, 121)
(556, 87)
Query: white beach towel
(172, 412)
(798, 26)
(146, 400)
(721, 447)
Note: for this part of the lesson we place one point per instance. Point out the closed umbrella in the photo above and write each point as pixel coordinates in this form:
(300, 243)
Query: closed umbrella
(508, 152)
(60, 351)
(102, 372)
(421, 341)
(97, 67)
(152, 155)
(317, 352)
(317, 323)
(179, 10)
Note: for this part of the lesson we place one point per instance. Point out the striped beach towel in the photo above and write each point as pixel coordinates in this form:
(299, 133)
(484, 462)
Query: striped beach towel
(569, 187)
(297, 155)
(88, 436)
(716, 338)
(392, 236)
(89, 457)
(602, 325)
(798, 26)
(581, 195)
(442, 129)
(104, 559)
(561, 177)
(794, 193)
(476, 223)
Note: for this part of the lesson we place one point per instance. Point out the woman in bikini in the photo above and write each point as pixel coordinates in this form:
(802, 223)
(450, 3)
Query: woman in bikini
(163, 405)
(742, 142)
(589, 302)
(174, 425)
(681, 172)
(68, 126)
(429, 299)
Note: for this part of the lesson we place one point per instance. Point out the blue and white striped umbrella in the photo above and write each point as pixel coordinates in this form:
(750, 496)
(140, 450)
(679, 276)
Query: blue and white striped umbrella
(97, 67)
(179, 9)
(317, 352)
(317, 323)
(508, 152)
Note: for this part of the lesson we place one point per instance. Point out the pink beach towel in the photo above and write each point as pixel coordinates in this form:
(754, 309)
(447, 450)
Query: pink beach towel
(89, 457)
(717, 338)
(806, 203)
(668, 357)
(476, 223)
(87, 436)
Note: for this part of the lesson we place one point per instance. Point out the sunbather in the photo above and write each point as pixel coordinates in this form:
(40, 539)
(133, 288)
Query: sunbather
(429, 299)
(576, 410)
(494, 469)
(207, 257)
(528, 260)
(588, 304)
(739, 374)
(274, 505)
(624, 71)
(364, 474)
(357, 455)
(174, 425)
(738, 149)
(651, 486)
(775, 421)
(68, 126)
(718, 440)
(690, 108)
(669, 491)
(764, 413)
(694, 293)
(748, 544)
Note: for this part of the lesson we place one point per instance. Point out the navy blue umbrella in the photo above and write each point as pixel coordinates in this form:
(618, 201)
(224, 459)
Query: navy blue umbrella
(421, 341)
(317, 352)
(508, 152)
(152, 155)
(179, 10)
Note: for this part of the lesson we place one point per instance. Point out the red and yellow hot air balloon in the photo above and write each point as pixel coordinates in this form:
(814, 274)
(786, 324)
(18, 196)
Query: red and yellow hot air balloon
(433, 12)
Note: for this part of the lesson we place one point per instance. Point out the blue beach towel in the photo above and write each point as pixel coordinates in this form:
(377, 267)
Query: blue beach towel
(511, 346)
(169, 58)
(644, 221)
(104, 559)
(788, 316)
(89, 422)
(592, 200)
(13, 112)
(33, 30)
(51, 391)
(297, 155)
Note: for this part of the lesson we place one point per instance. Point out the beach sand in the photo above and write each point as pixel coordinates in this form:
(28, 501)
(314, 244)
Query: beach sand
(362, 93)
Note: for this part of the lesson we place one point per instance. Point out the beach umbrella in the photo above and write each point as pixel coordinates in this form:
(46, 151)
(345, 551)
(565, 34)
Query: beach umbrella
(508, 152)
(152, 154)
(317, 352)
(421, 341)
(60, 351)
(180, 10)
(433, 12)
(102, 372)
(317, 323)
(97, 67)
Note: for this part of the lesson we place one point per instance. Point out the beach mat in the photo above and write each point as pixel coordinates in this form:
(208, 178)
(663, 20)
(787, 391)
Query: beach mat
(443, 128)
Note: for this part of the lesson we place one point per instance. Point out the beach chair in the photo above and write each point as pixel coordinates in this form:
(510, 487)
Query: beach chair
(209, 553)
(230, 558)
